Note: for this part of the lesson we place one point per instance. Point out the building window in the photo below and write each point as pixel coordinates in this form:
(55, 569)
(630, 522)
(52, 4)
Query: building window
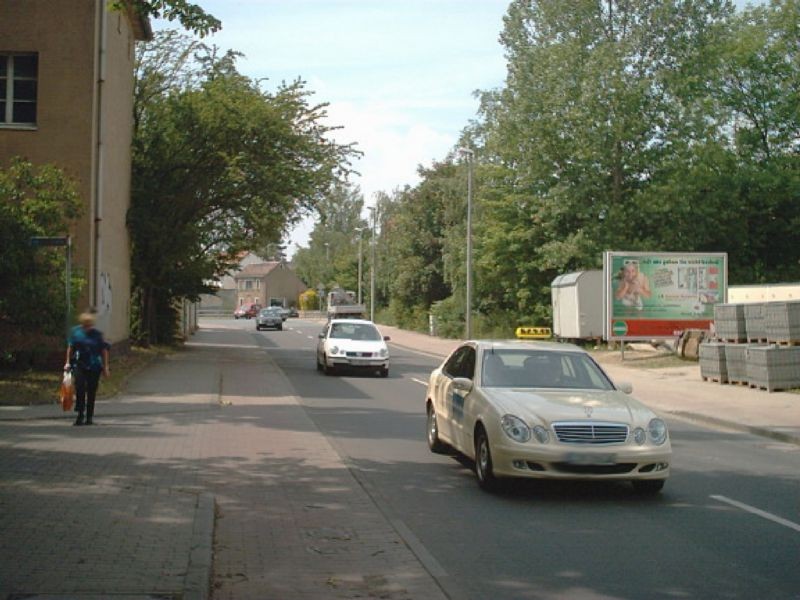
(18, 73)
(248, 285)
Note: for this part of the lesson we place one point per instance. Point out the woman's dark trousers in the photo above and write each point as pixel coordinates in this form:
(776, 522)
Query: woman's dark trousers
(86, 382)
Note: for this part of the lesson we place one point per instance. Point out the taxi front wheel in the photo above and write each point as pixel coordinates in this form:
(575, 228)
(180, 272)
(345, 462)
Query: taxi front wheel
(434, 443)
(484, 470)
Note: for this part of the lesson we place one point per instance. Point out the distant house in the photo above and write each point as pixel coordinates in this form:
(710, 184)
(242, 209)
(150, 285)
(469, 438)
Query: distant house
(225, 298)
(268, 284)
(66, 98)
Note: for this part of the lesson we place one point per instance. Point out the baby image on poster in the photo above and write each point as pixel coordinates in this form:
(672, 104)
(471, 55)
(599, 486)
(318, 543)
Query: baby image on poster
(633, 286)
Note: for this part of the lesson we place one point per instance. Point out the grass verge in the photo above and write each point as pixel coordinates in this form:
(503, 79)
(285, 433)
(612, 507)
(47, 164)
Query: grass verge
(27, 388)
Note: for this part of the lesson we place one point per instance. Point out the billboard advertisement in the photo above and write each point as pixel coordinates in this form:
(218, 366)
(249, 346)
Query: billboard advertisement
(651, 295)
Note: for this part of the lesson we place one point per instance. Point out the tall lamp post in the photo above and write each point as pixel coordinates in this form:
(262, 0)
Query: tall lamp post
(373, 217)
(470, 154)
(360, 231)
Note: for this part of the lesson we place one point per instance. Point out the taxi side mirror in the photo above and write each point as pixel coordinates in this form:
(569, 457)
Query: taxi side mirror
(321, 335)
(386, 338)
(462, 384)
(625, 387)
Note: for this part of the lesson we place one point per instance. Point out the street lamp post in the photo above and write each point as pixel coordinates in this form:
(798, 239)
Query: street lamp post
(470, 154)
(360, 232)
(373, 216)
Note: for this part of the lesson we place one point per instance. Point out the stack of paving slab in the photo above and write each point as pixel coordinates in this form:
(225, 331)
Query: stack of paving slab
(782, 322)
(729, 322)
(757, 345)
(773, 367)
(713, 363)
(755, 323)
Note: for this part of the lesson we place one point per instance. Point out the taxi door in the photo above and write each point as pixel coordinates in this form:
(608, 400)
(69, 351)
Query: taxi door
(461, 403)
(451, 401)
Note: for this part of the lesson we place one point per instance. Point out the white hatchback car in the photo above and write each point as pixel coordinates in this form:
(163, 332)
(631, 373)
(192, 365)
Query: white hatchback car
(543, 410)
(352, 343)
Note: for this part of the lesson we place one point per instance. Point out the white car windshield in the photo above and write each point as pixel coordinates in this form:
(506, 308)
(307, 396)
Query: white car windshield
(529, 368)
(354, 331)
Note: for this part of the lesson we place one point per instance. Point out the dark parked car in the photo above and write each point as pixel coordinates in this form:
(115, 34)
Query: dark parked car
(293, 312)
(246, 311)
(269, 318)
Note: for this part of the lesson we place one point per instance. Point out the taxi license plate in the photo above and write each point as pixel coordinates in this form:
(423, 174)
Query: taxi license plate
(577, 458)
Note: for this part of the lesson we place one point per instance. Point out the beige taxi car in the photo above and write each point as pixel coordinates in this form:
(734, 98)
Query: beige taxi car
(543, 410)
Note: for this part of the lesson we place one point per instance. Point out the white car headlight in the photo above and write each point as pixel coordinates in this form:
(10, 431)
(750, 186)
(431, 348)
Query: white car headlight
(384, 352)
(515, 428)
(658, 431)
(334, 349)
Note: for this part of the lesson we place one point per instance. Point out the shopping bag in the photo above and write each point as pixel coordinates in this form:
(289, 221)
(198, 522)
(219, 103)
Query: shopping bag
(67, 393)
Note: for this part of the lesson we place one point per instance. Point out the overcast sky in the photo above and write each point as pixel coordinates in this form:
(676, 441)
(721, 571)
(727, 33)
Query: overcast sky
(399, 74)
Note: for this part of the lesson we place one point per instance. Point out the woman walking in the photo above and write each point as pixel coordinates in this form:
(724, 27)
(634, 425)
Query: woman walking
(87, 356)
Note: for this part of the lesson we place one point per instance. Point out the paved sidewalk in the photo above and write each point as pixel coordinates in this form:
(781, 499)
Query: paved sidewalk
(207, 447)
(678, 391)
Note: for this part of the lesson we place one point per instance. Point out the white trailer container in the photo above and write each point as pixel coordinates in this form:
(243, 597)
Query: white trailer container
(578, 305)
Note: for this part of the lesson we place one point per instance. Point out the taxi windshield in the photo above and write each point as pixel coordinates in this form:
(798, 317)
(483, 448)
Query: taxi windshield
(355, 331)
(530, 368)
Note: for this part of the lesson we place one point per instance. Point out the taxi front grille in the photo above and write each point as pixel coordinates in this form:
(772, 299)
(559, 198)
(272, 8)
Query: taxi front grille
(360, 354)
(591, 433)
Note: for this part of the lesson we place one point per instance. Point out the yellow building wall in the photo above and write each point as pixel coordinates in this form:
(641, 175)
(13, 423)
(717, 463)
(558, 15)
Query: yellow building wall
(70, 134)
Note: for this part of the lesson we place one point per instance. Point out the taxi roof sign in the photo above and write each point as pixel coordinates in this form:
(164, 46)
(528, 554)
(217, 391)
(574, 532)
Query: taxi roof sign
(534, 333)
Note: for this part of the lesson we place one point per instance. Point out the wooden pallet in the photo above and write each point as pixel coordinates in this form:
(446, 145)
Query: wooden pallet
(731, 340)
(786, 342)
(744, 383)
(716, 379)
(766, 388)
(757, 341)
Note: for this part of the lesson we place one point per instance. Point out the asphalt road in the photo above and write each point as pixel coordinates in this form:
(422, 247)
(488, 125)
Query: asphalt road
(726, 525)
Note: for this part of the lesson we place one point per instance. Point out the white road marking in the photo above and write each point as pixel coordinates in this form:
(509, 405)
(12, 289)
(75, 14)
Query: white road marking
(419, 381)
(759, 512)
(311, 337)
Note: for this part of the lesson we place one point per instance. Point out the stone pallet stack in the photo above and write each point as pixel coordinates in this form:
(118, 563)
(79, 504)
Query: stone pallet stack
(713, 365)
(754, 322)
(771, 359)
(729, 322)
(774, 367)
(736, 363)
(782, 322)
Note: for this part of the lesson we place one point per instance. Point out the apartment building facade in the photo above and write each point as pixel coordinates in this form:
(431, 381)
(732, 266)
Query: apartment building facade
(66, 98)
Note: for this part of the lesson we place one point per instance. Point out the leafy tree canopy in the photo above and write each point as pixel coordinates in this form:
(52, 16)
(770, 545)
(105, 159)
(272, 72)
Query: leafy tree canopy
(220, 165)
(191, 16)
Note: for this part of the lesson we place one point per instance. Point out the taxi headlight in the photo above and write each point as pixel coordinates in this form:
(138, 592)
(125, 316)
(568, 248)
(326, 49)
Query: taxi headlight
(335, 350)
(639, 436)
(515, 428)
(383, 352)
(541, 434)
(658, 431)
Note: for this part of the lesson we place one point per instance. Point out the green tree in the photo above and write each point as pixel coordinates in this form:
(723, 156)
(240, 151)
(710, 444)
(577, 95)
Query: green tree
(331, 257)
(590, 115)
(190, 15)
(35, 201)
(220, 165)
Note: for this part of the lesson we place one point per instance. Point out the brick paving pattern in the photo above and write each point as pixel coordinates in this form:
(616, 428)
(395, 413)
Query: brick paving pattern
(112, 509)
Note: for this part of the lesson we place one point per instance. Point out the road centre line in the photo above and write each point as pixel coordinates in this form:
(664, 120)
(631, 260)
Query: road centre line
(419, 381)
(758, 512)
